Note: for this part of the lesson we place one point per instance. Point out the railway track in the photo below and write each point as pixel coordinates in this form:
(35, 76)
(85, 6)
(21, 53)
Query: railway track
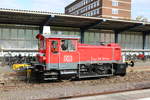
(86, 95)
(75, 89)
(96, 94)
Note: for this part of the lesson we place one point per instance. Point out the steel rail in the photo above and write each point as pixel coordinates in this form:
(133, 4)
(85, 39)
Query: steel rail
(96, 94)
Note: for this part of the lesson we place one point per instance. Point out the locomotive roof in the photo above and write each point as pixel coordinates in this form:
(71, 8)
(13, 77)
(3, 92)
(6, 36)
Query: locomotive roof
(62, 36)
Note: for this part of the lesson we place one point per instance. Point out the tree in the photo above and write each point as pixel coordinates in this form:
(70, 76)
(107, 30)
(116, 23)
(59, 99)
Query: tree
(141, 18)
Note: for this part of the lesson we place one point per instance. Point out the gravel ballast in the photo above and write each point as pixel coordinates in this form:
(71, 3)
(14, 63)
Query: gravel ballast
(23, 91)
(13, 89)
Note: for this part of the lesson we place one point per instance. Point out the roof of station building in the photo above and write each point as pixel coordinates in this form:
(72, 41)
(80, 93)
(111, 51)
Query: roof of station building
(41, 18)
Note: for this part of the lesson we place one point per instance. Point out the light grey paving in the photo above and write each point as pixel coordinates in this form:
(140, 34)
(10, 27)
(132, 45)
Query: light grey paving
(132, 95)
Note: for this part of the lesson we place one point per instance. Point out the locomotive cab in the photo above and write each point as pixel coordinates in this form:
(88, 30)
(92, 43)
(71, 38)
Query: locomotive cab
(58, 54)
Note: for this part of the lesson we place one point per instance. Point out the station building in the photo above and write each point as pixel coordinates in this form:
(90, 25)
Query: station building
(18, 29)
(120, 9)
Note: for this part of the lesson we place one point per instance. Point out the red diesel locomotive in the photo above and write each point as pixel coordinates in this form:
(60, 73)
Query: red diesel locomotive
(63, 56)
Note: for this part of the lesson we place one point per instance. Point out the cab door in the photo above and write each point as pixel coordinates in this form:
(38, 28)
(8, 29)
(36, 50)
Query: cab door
(69, 55)
(53, 54)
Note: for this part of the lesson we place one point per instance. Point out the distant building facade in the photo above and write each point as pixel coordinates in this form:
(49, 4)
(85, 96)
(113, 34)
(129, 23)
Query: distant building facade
(120, 9)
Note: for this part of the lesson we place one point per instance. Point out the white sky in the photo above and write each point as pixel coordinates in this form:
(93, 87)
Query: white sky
(139, 7)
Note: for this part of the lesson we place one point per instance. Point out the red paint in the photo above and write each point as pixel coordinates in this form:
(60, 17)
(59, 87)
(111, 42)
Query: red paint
(83, 52)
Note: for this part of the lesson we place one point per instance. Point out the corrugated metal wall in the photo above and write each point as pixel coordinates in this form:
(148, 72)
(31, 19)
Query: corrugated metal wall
(130, 40)
(147, 46)
(65, 31)
(18, 38)
(90, 37)
(97, 37)
(23, 37)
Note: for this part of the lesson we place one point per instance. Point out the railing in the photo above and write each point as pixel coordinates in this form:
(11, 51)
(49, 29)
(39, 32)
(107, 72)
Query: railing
(137, 57)
(8, 59)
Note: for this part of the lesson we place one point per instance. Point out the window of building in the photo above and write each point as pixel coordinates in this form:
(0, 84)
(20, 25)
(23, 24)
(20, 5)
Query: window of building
(91, 13)
(97, 11)
(84, 9)
(98, 3)
(77, 12)
(94, 4)
(88, 8)
(88, 14)
(115, 11)
(88, 1)
(84, 2)
(81, 10)
(114, 3)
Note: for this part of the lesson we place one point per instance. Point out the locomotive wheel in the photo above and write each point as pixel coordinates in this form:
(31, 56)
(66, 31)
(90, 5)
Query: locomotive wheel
(123, 74)
(36, 76)
(115, 73)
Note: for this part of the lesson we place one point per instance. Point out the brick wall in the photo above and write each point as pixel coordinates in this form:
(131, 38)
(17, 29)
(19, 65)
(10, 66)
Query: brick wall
(124, 9)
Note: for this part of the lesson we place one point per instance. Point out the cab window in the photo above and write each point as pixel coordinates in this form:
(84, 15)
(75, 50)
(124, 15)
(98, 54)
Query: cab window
(54, 46)
(68, 45)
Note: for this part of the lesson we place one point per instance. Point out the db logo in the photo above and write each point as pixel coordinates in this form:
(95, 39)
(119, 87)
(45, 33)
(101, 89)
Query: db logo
(67, 58)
